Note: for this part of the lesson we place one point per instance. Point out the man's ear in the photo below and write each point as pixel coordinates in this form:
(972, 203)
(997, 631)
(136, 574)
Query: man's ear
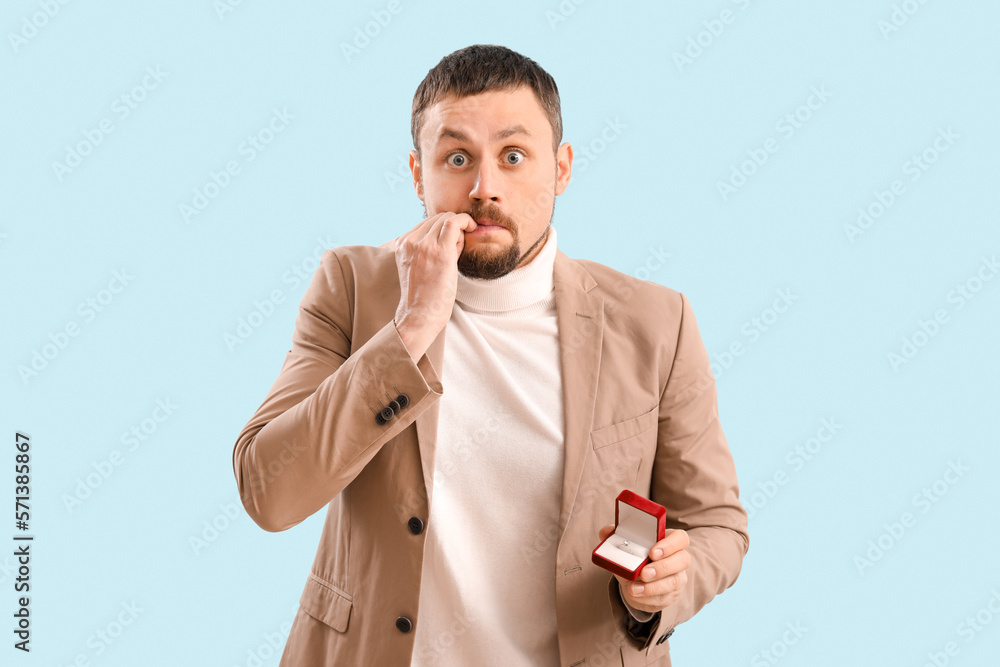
(564, 166)
(415, 171)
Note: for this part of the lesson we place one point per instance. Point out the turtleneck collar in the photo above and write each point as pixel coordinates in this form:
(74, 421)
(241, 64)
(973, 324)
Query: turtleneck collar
(521, 287)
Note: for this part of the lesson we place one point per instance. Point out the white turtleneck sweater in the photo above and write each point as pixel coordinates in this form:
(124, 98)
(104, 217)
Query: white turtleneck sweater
(487, 593)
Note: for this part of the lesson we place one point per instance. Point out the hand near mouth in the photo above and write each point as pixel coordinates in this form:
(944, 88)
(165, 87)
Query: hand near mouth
(427, 263)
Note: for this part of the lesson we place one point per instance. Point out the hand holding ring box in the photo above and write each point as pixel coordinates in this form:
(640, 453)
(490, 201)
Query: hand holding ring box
(639, 524)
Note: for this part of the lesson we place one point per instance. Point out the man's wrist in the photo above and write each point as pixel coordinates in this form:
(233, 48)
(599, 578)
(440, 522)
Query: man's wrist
(415, 349)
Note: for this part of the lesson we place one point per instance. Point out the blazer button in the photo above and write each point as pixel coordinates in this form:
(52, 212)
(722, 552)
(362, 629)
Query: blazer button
(415, 525)
(379, 419)
(403, 400)
(395, 406)
(403, 624)
(387, 413)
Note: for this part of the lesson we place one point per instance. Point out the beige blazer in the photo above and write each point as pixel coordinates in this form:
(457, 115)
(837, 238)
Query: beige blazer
(640, 413)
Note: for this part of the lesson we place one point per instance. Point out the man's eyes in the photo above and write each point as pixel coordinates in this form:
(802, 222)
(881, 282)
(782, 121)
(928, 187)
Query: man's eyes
(460, 159)
(516, 153)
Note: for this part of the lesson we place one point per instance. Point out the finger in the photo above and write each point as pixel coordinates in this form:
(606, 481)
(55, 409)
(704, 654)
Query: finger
(672, 564)
(605, 531)
(429, 228)
(661, 588)
(453, 228)
(673, 541)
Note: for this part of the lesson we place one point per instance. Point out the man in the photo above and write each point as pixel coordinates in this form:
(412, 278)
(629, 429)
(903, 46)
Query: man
(468, 402)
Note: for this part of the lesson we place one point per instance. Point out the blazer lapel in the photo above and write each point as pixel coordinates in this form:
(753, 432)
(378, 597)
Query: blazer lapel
(580, 318)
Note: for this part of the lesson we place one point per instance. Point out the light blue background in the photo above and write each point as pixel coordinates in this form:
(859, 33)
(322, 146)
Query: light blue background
(326, 180)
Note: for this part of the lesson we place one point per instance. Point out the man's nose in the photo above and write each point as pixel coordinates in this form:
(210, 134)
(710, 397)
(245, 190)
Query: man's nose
(487, 183)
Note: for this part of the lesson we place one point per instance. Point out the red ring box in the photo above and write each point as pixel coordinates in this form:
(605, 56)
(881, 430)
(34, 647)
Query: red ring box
(638, 520)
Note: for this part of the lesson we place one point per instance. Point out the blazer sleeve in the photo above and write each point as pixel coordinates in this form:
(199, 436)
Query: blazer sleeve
(316, 429)
(694, 478)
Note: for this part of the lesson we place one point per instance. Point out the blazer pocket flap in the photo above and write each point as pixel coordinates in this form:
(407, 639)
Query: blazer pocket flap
(326, 603)
(623, 430)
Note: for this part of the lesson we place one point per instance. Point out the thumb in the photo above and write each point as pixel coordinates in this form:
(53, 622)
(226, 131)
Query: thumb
(606, 530)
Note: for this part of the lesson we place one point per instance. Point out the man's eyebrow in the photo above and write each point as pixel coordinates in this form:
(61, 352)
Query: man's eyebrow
(449, 133)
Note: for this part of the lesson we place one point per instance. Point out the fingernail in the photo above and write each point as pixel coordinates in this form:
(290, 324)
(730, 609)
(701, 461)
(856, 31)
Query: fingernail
(637, 588)
(648, 573)
(657, 553)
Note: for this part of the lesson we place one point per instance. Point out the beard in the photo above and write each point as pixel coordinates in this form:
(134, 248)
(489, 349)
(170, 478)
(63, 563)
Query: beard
(489, 261)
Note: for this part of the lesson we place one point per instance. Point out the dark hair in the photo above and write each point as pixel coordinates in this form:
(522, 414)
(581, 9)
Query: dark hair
(480, 68)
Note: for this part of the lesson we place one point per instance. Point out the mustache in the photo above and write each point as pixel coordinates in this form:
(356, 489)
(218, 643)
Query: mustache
(494, 215)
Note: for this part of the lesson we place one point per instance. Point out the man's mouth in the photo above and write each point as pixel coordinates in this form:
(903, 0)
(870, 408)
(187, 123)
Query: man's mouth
(486, 222)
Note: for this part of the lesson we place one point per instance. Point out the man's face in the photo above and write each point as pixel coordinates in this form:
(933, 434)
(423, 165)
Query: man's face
(490, 155)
